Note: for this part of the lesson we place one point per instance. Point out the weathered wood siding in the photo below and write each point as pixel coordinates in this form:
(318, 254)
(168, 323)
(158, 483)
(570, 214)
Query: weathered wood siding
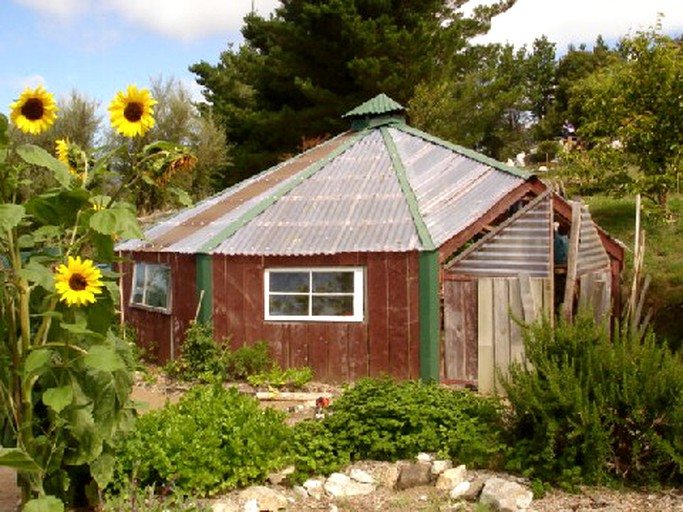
(481, 329)
(385, 342)
(162, 332)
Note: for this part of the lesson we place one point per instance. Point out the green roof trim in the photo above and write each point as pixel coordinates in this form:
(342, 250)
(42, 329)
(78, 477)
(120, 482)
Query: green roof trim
(408, 192)
(469, 153)
(262, 206)
(379, 105)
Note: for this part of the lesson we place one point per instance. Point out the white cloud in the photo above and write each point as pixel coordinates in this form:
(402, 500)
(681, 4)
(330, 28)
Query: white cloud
(189, 19)
(581, 21)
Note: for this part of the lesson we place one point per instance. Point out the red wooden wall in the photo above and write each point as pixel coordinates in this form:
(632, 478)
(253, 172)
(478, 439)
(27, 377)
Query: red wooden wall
(386, 342)
(155, 329)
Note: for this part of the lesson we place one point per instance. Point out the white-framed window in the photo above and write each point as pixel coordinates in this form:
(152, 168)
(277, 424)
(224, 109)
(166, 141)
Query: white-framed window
(151, 286)
(324, 294)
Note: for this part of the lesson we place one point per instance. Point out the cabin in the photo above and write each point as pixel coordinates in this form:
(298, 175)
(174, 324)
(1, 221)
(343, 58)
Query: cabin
(383, 250)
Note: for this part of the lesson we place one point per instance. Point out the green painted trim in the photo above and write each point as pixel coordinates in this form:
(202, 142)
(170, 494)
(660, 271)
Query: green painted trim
(430, 315)
(204, 278)
(408, 193)
(259, 208)
(469, 153)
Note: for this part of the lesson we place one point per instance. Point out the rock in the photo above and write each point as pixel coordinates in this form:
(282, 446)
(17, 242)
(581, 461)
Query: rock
(280, 476)
(266, 499)
(451, 477)
(439, 466)
(361, 476)
(340, 486)
(413, 474)
(301, 491)
(474, 491)
(251, 506)
(460, 490)
(505, 496)
(224, 506)
(386, 474)
(314, 488)
(424, 457)
(333, 508)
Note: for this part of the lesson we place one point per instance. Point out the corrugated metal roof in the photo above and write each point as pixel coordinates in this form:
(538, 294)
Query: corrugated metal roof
(592, 255)
(520, 245)
(360, 192)
(379, 105)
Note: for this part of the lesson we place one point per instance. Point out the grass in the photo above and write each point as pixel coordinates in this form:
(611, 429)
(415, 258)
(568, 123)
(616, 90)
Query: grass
(663, 256)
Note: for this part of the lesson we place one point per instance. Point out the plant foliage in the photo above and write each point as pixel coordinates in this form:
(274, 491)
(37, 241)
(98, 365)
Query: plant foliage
(589, 409)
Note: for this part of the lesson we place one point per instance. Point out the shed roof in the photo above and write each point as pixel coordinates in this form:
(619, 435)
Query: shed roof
(385, 188)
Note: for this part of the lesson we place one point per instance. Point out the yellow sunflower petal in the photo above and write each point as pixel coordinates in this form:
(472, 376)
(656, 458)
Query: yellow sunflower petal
(35, 111)
(131, 112)
(78, 282)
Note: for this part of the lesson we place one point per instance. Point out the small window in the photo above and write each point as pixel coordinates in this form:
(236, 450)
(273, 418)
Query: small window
(151, 286)
(321, 294)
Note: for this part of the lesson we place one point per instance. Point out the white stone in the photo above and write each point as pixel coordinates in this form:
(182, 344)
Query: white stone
(265, 498)
(361, 476)
(333, 508)
(224, 506)
(439, 466)
(314, 488)
(424, 457)
(451, 477)
(460, 490)
(251, 506)
(341, 486)
(505, 496)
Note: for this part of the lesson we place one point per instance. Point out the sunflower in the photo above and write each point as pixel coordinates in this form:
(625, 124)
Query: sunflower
(35, 111)
(62, 147)
(78, 282)
(131, 113)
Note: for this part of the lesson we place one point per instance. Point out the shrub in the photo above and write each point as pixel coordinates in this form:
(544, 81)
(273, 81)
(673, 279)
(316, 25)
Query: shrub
(585, 408)
(276, 377)
(200, 357)
(385, 420)
(247, 360)
(212, 440)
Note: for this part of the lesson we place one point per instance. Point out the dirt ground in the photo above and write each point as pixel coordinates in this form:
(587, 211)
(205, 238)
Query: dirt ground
(152, 395)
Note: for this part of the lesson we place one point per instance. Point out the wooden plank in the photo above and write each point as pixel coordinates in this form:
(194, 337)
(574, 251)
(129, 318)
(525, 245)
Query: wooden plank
(298, 343)
(486, 362)
(471, 341)
(528, 300)
(501, 324)
(572, 261)
(454, 350)
(399, 335)
(318, 335)
(414, 316)
(253, 293)
(379, 300)
(516, 316)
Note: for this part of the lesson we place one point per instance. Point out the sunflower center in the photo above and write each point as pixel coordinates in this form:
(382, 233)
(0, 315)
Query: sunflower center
(77, 282)
(33, 109)
(133, 112)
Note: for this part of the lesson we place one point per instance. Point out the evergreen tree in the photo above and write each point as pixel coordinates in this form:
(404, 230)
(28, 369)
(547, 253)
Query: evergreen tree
(313, 60)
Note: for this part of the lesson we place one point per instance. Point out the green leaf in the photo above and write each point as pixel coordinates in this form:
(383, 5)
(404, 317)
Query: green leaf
(59, 209)
(182, 195)
(46, 504)
(103, 358)
(38, 156)
(79, 327)
(39, 274)
(118, 220)
(17, 459)
(37, 360)
(58, 398)
(102, 469)
(11, 215)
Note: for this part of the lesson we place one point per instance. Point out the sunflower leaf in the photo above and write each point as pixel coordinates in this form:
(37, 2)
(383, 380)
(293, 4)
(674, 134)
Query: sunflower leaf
(58, 398)
(37, 360)
(117, 220)
(11, 215)
(103, 358)
(17, 459)
(44, 504)
(39, 274)
(38, 156)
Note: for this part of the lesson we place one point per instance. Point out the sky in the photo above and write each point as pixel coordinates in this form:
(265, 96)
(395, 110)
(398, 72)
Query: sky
(98, 47)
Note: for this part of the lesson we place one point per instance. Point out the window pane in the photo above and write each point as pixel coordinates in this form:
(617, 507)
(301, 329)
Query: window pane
(333, 282)
(139, 284)
(297, 282)
(157, 286)
(288, 305)
(333, 305)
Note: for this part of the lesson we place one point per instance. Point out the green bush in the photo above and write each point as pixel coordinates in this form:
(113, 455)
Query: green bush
(200, 356)
(214, 439)
(386, 420)
(587, 409)
(276, 377)
(247, 360)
